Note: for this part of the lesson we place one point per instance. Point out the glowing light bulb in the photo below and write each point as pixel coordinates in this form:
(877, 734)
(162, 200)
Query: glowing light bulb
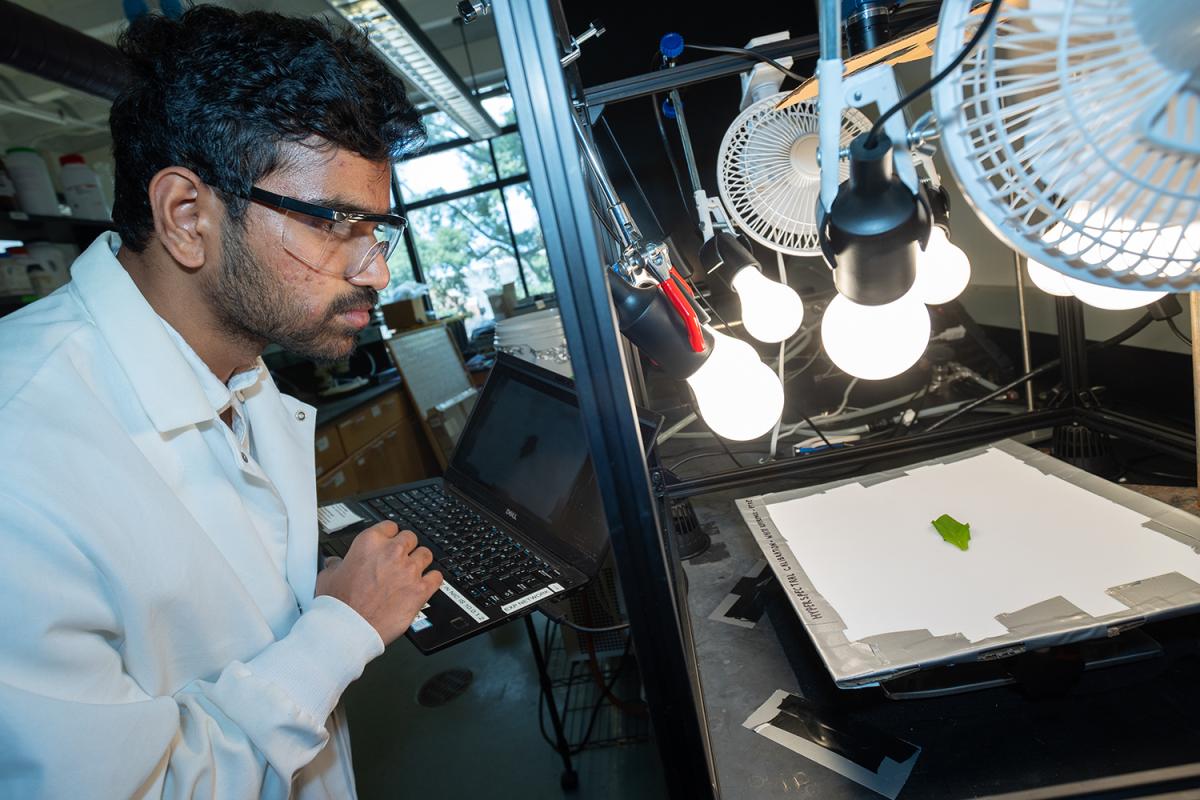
(1047, 280)
(771, 311)
(1108, 297)
(875, 342)
(738, 395)
(943, 270)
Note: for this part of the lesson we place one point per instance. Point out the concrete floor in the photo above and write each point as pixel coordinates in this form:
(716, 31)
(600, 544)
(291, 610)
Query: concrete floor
(485, 743)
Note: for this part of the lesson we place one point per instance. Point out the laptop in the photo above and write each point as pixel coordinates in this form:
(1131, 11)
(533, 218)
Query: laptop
(517, 517)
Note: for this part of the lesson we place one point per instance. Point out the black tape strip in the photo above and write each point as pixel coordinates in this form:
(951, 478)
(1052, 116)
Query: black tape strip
(852, 740)
(751, 599)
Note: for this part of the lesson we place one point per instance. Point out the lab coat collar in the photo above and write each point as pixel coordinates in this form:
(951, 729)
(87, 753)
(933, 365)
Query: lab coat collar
(165, 384)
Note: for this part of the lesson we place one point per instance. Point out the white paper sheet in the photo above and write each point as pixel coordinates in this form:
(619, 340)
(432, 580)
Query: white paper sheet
(872, 553)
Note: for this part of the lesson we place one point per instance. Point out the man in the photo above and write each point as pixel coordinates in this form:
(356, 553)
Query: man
(165, 631)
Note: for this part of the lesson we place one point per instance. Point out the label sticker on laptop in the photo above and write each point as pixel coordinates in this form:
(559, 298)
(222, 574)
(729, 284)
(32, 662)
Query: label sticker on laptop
(527, 600)
(463, 603)
(554, 587)
(335, 517)
(420, 623)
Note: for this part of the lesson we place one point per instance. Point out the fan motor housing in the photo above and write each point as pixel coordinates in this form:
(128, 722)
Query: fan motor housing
(872, 233)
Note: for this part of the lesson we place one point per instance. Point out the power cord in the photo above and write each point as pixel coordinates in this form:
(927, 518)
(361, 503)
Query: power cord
(988, 18)
(1133, 329)
(754, 54)
(562, 620)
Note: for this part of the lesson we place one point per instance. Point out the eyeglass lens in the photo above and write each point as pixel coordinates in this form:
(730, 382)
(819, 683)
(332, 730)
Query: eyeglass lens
(338, 248)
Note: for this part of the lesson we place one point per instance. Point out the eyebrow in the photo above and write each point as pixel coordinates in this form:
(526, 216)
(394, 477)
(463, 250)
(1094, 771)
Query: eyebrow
(340, 203)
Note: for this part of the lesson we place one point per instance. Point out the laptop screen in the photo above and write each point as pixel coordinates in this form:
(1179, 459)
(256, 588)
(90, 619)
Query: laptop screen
(523, 456)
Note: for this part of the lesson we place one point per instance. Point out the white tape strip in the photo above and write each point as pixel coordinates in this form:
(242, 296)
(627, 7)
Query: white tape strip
(463, 603)
(527, 600)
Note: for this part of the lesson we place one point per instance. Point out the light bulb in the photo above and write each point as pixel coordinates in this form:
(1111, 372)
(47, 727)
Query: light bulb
(1047, 280)
(738, 395)
(943, 270)
(771, 311)
(1108, 297)
(875, 342)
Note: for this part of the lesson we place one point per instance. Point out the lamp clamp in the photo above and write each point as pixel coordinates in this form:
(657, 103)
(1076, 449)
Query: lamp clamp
(594, 29)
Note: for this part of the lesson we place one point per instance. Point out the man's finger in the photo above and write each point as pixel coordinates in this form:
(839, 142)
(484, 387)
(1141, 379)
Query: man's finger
(407, 541)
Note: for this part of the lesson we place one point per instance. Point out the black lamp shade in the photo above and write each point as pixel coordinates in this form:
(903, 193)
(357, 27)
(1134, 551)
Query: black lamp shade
(872, 234)
(648, 320)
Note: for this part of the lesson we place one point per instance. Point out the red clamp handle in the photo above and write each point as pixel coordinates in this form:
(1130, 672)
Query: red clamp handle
(684, 309)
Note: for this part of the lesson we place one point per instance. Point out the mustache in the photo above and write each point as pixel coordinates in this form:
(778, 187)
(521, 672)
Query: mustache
(360, 297)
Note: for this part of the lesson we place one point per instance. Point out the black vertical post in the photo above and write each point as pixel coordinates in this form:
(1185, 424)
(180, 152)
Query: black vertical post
(531, 48)
(570, 779)
(1072, 343)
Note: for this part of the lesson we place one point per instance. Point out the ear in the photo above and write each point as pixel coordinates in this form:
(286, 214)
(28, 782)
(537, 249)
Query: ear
(186, 213)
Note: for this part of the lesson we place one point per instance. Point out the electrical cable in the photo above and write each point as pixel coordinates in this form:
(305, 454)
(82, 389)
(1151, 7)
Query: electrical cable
(655, 65)
(606, 693)
(632, 175)
(742, 51)
(1180, 335)
(873, 134)
(462, 30)
(581, 628)
(1133, 329)
(817, 431)
(708, 454)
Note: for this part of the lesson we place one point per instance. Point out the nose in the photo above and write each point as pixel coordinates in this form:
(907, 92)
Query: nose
(376, 275)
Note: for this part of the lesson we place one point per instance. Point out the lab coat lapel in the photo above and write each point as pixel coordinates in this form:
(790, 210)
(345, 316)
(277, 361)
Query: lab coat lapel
(283, 430)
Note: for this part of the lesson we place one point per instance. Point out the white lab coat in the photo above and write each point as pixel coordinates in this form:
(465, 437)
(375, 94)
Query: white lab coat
(134, 660)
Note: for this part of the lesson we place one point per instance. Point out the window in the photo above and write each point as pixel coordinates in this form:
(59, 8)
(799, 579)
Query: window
(472, 223)
(401, 270)
(446, 172)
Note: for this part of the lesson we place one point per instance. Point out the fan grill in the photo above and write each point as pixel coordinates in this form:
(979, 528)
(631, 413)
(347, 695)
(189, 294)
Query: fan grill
(1073, 142)
(768, 172)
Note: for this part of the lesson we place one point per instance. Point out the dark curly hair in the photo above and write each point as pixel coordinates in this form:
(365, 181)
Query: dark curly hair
(217, 92)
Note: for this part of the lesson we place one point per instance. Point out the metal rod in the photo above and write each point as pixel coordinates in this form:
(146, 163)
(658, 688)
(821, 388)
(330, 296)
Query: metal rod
(913, 447)
(1160, 438)
(664, 80)
(560, 737)
(830, 28)
(1026, 363)
(1072, 344)
(688, 155)
(1194, 309)
(625, 225)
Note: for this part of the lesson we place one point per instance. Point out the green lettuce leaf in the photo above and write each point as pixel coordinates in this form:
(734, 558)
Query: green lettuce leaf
(953, 531)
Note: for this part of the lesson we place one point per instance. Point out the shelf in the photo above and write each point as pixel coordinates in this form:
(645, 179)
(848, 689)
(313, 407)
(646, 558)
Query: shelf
(68, 230)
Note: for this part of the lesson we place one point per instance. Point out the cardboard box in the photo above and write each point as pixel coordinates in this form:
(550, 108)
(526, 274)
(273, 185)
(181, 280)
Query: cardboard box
(404, 314)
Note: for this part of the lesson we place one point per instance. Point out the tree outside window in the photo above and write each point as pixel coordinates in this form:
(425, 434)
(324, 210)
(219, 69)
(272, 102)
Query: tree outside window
(474, 243)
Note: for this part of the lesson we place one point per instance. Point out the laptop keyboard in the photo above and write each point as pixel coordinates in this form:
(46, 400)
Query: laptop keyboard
(482, 561)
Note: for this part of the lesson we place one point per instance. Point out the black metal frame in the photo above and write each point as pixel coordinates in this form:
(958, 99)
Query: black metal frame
(635, 501)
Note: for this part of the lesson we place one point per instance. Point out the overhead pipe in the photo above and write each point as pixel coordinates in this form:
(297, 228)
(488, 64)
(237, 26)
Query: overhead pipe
(40, 46)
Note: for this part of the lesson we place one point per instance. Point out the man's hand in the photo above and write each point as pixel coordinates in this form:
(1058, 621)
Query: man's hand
(383, 578)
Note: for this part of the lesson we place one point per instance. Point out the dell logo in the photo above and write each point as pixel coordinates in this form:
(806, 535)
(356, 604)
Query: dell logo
(508, 512)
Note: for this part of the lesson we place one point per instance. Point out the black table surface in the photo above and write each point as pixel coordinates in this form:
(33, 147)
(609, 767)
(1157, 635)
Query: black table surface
(1114, 721)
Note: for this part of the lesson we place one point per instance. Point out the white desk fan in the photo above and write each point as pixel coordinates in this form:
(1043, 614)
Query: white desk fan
(1073, 128)
(768, 173)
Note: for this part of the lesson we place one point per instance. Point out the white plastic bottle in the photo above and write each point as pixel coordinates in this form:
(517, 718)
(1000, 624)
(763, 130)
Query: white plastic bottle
(31, 176)
(52, 259)
(81, 185)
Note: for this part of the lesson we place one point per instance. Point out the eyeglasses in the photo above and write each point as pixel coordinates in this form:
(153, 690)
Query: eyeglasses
(328, 240)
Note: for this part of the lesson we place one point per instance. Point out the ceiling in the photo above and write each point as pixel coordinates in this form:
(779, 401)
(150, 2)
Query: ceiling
(38, 113)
